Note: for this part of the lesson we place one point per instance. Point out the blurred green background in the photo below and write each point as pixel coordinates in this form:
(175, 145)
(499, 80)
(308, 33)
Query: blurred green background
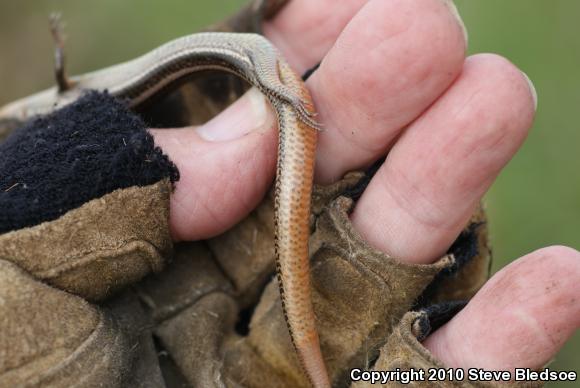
(534, 203)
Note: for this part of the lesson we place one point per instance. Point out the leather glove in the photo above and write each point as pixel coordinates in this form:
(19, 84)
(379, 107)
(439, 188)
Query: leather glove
(93, 292)
(359, 296)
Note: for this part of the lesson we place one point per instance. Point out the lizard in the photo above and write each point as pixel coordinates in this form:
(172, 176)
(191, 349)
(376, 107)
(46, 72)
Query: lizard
(253, 58)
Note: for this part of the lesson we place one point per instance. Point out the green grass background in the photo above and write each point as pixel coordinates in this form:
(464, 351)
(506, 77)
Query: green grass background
(534, 203)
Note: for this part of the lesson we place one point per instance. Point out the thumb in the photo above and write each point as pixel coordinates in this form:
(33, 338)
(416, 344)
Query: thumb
(225, 165)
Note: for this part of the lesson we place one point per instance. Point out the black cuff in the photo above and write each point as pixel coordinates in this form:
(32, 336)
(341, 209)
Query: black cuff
(90, 148)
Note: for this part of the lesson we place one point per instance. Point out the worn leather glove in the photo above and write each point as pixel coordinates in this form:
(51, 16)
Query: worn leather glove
(359, 295)
(94, 293)
(192, 308)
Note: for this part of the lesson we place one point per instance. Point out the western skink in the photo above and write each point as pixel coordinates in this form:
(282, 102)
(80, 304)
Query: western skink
(253, 58)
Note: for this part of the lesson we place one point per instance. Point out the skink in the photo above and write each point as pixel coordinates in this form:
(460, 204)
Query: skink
(253, 58)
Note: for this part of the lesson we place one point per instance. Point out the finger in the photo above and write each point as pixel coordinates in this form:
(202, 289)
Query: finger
(187, 219)
(519, 319)
(225, 167)
(391, 62)
(305, 30)
(445, 161)
(222, 177)
(227, 164)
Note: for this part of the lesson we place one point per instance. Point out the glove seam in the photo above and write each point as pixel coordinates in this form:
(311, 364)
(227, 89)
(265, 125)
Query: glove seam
(91, 256)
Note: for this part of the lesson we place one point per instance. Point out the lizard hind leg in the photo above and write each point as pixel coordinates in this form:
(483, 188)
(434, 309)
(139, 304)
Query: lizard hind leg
(300, 101)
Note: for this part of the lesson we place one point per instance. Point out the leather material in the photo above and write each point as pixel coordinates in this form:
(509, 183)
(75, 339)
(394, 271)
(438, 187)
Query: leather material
(208, 313)
(403, 350)
(102, 246)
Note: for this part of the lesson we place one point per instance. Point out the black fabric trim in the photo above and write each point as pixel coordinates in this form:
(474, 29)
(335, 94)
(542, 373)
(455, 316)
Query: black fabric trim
(464, 249)
(310, 71)
(90, 148)
(436, 316)
(355, 192)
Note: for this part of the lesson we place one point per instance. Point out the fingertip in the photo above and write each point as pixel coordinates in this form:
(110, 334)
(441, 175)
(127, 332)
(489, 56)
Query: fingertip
(390, 63)
(455, 13)
(512, 94)
(536, 300)
(445, 161)
(305, 30)
(533, 90)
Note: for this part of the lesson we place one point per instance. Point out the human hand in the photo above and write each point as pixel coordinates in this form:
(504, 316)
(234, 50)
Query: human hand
(394, 79)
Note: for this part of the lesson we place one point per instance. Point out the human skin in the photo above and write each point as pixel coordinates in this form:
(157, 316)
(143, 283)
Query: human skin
(394, 79)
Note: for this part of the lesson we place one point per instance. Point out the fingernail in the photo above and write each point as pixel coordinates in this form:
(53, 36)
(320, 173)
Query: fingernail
(532, 90)
(247, 114)
(455, 13)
